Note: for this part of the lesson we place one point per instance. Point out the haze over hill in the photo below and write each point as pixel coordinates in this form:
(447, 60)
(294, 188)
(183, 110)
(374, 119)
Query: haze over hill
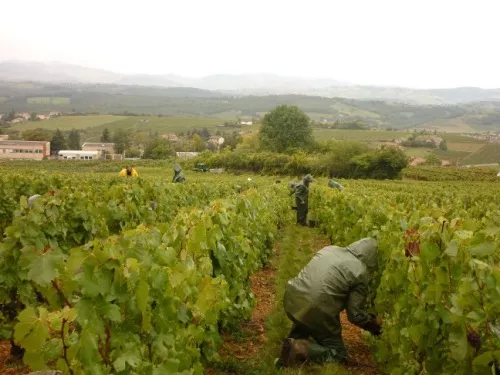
(243, 84)
(112, 98)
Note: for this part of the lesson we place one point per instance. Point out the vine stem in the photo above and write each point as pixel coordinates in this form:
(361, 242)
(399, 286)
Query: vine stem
(60, 292)
(65, 348)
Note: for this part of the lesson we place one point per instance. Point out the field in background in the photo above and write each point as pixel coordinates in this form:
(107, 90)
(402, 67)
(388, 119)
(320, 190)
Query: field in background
(69, 122)
(48, 100)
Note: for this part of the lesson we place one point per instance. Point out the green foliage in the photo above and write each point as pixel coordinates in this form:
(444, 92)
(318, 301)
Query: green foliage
(58, 143)
(33, 116)
(426, 173)
(106, 136)
(348, 160)
(147, 301)
(443, 145)
(432, 159)
(74, 140)
(36, 135)
(437, 283)
(158, 148)
(285, 128)
(122, 141)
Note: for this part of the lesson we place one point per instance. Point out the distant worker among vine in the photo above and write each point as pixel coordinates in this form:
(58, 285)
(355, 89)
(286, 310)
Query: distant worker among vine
(334, 184)
(31, 200)
(129, 171)
(301, 191)
(335, 279)
(178, 176)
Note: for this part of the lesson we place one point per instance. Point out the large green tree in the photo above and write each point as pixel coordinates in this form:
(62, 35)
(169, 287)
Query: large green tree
(58, 143)
(121, 139)
(106, 136)
(284, 128)
(74, 140)
(158, 148)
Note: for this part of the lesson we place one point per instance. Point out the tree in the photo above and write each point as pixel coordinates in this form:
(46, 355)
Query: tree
(74, 140)
(205, 134)
(106, 136)
(10, 116)
(35, 135)
(121, 140)
(443, 145)
(432, 159)
(33, 116)
(58, 142)
(284, 128)
(198, 143)
(158, 148)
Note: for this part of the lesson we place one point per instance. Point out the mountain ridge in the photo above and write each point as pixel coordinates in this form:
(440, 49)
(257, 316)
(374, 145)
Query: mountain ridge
(243, 84)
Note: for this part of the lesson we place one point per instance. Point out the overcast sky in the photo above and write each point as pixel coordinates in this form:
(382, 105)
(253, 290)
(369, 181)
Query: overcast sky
(414, 43)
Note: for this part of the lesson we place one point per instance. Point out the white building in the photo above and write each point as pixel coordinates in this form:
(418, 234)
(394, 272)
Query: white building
(186, 155)
(78, 155)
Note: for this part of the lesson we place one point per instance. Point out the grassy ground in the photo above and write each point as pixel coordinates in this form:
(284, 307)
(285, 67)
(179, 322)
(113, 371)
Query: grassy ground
(488, 153)
(69, 122)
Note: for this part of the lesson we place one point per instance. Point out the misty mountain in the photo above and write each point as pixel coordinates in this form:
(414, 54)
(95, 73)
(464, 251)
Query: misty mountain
(243, 84)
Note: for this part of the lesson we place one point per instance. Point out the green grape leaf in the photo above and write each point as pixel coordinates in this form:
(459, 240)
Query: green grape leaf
(452, 249)
(30, 333)
(458, 345)
(483, 249)
(142, 294)
(130, 358)
(34, 360)
(45, 268)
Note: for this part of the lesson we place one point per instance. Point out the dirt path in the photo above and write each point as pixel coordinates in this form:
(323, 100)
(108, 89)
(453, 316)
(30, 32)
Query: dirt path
(6, 367)
(252, 349)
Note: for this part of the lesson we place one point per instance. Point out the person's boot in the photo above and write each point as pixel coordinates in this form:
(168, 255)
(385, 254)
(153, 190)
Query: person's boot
(293, 351)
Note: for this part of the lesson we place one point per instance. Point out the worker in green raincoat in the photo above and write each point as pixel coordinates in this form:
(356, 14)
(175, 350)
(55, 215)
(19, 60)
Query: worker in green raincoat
(301, 191)
(335, 279)
(334, 184)
(178, 176)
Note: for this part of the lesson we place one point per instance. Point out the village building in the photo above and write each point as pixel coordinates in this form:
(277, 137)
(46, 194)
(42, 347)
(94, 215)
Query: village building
(34, 150)
(245, 120)
(79, 155)
(170, 137)
(102, 147)
(186, 155)
(4, 137)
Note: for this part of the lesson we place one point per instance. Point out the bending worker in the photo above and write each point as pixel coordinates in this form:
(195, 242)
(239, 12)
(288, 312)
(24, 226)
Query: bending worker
(334, 184)
(301, 191)
(129, 172)
(178, 176)
(335, 279)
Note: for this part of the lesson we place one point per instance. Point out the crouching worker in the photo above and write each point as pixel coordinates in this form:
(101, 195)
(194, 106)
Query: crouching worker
(335, 279)
(178, 176)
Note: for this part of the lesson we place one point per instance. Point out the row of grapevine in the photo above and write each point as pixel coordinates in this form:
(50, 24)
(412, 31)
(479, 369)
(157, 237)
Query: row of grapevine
(429, 173)
(137, 194)
(151, 300)
(438, 285)
(73, 215)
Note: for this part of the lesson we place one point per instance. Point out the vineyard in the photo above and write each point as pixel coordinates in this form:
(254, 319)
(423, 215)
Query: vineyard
(103, 275)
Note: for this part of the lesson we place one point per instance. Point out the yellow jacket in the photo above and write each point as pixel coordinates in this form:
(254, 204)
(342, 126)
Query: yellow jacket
(123, 173)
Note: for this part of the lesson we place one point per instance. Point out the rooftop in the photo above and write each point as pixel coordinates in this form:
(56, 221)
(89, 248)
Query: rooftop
(94, 144)
(23, 143)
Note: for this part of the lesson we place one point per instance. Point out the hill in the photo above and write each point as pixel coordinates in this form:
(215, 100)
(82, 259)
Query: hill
(187, 101)
(243, 84)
